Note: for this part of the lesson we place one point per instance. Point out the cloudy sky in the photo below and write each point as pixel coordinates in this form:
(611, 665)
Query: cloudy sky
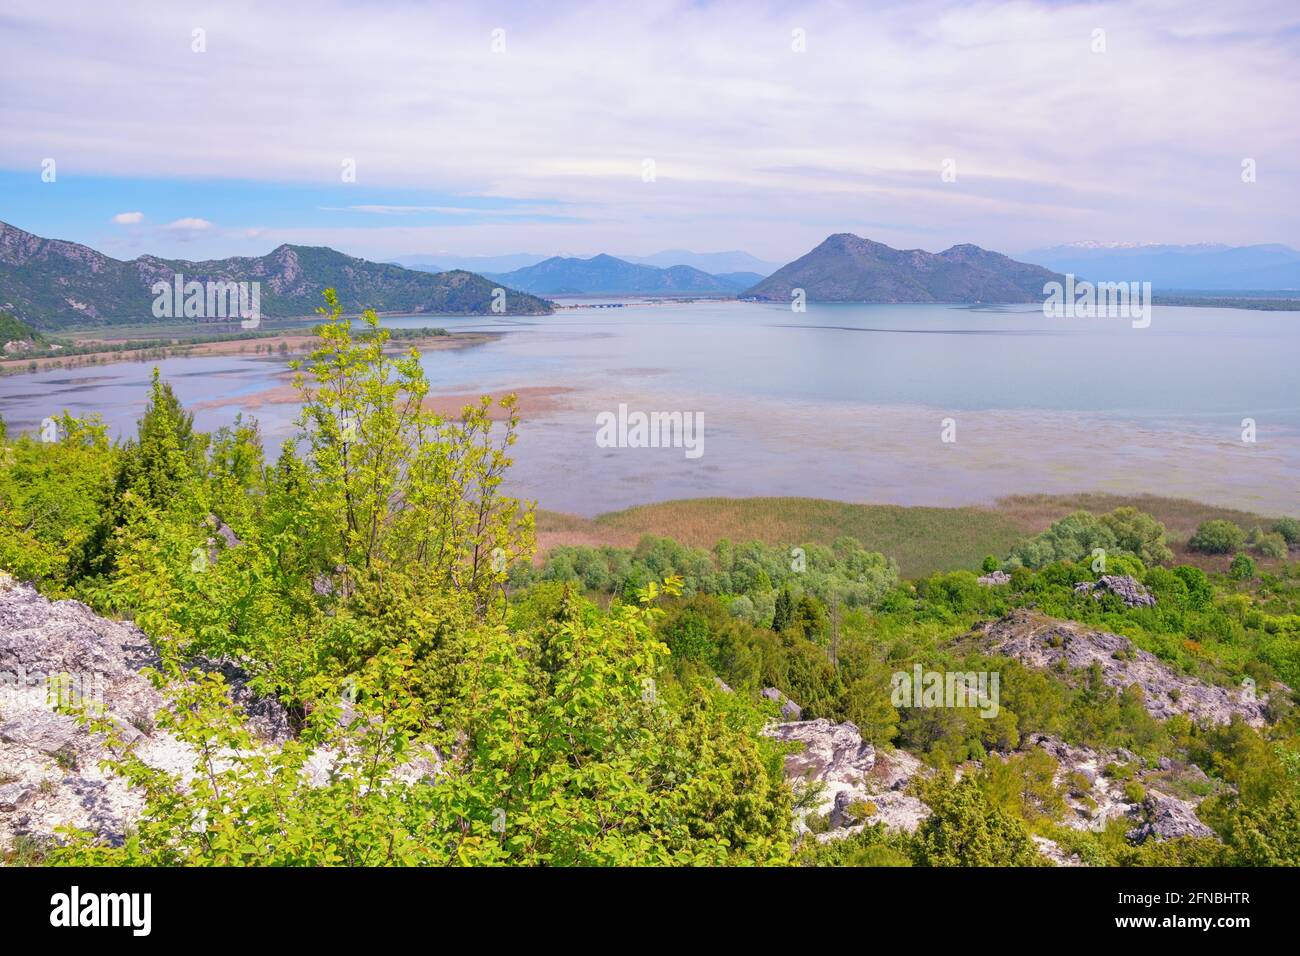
(481, 129)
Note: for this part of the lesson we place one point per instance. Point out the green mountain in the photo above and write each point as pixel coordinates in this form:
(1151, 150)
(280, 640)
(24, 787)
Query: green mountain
(608, 275)
(848, 268)
(53, 284)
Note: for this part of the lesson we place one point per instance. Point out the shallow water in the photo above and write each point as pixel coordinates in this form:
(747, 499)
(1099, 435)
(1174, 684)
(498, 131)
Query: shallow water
(842, 402)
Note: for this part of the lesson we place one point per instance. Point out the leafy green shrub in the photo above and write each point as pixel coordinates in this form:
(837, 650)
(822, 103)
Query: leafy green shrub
(1242, 568)
(1076, 538)
(965, 828)
(1217, 537)
(1138, 534)
(817, 823)
(1271, 545)
(1078, 783)
(1289, 529)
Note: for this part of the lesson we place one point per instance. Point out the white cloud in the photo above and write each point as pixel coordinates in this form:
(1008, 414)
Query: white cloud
(128, 218)
(189, 224)
(754, 144)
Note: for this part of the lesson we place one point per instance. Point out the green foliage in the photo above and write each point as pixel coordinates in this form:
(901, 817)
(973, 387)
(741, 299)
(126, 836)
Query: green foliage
(844, 574)
(52, 497)
(559, 756)
(365, 587)
(1022, 786)
(966, 828)
(1289, 529)
(1242, 568)
(1272, 545)
(1138, 534)
(1217, 537)
(13, 330)
(1122, 532)
(872, 846)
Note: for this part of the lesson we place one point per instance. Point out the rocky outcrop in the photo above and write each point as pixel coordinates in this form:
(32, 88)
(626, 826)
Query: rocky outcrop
(1166, 818)
(57, 657)
(1126, 588)
(856, 784)
(1101, 786)
(1092, 799)
(227, 535)
(1044, 642)
(993, 579)
(1054, 853)
(789, 709)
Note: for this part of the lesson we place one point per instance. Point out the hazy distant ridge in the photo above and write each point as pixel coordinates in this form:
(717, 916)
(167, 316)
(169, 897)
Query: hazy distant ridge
(607, 274)
(1200, 267)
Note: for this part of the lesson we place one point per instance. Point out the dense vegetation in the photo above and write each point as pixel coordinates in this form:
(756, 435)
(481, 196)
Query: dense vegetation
(12, 330)
(54, 285)
(73, 353)
(455, 702)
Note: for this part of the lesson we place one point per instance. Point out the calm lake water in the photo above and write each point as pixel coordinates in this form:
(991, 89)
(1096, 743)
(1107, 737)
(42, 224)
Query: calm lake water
(843, 402)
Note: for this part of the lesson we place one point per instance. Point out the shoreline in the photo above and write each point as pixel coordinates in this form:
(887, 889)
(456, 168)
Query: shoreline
(282, 344)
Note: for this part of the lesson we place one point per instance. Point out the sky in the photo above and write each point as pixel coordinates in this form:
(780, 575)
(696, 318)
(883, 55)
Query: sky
(197, 130)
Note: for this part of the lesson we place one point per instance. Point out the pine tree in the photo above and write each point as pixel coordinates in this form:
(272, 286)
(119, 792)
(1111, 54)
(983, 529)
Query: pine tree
(784, 613)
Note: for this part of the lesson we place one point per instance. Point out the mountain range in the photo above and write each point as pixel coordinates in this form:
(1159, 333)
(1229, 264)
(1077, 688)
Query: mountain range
(715, 263)
(1193, 268)
(609, 275)
(53, 284)
(848, 268)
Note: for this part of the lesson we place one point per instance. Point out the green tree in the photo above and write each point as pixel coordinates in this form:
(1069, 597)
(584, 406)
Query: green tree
(965, 828)
(1242, 568)
(1289, 529)
(1217, 537)
(1138, 534)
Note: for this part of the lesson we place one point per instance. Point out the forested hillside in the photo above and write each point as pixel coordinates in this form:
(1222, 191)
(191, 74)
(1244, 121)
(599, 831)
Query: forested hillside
(53, 284)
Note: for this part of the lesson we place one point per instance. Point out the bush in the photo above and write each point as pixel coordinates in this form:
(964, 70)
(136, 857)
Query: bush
(966, 829)
(1217, 537)
(1242, 568)
(1139, 534)
(1289, 529)
(1271, 545)
(1072, 538)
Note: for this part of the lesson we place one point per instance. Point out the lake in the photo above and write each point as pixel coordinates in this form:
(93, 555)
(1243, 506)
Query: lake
(841, 401)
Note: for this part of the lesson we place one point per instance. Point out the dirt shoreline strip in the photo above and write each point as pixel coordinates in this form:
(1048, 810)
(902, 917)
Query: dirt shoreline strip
(296, 344)
(535, 401)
